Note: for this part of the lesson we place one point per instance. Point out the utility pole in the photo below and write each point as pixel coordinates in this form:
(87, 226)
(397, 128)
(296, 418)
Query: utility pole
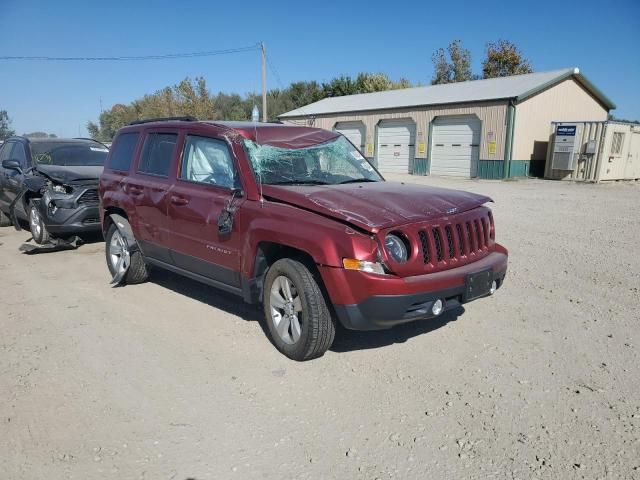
(264, 82)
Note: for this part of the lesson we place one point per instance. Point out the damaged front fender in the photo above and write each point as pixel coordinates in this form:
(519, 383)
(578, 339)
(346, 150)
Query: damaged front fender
(31, 184)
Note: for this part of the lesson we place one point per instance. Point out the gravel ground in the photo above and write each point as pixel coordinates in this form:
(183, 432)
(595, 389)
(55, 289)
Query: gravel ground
(174, 380)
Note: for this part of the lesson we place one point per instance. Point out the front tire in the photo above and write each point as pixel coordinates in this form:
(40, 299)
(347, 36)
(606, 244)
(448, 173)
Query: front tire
(296, 312)
(137, 268)
(38, 229)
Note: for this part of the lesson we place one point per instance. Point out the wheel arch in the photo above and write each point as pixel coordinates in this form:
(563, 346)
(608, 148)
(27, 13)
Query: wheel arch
(267, 253)
(107, 220)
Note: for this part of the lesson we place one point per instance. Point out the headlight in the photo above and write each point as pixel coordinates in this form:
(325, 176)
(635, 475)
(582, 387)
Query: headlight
(396, 248)
(60, 189)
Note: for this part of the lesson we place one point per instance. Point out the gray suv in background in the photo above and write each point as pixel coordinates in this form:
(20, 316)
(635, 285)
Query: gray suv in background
(52, 184)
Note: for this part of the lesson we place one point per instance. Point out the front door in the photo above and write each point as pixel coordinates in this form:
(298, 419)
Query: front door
(206, 179)
(12, 181)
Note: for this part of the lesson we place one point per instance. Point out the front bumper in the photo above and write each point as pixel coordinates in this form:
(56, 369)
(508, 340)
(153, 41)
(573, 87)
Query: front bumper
(375, 302)
(69, 215)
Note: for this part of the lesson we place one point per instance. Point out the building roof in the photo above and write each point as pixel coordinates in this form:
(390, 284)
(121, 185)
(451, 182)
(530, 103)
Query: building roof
(518, 87)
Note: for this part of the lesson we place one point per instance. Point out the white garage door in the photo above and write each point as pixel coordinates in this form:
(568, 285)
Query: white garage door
(455, 146)
(354, 131)
(396, 145)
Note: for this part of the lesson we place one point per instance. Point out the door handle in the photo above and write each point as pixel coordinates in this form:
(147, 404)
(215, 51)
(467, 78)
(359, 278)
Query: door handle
(179, 201)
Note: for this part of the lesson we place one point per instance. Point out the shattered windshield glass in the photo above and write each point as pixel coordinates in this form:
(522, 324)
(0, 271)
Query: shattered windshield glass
(69, 154)
(330, 163)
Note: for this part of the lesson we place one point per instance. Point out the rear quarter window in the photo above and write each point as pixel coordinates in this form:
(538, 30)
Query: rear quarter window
(123, 150)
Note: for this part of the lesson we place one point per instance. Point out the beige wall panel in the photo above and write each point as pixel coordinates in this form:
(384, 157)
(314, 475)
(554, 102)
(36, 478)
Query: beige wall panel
(565, 102)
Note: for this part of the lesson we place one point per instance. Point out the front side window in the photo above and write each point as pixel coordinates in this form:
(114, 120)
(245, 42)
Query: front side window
(207, 160)
(331, 163)
(5, 151)
(19, 154)
(157, 153)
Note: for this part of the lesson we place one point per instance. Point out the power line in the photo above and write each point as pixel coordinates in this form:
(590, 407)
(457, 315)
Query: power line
(167, 56)
(274, 71)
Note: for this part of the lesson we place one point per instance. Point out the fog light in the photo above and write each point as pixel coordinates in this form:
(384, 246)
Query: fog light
(437, 307)
(494, 287)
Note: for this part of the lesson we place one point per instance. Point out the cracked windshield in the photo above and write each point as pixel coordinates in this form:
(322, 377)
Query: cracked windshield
(330, 163)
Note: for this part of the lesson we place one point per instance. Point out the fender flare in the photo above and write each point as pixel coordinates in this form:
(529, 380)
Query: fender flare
(123, 225)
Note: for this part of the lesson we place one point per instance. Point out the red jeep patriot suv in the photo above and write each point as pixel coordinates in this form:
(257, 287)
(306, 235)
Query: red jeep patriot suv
(294, 218)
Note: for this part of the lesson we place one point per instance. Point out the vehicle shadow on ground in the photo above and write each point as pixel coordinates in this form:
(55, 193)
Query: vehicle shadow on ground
(349, 340)
(211, 296)
(345, 341)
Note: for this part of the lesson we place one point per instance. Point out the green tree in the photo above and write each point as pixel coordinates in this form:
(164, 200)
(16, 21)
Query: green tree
(193, 98)
(340, 86)
(189, 97)
(460, 62)
(454, 68)
(441, 69)
(504, 59)
(5, 123)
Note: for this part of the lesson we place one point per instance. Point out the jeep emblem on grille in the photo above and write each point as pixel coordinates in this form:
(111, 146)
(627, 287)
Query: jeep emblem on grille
(452, 210)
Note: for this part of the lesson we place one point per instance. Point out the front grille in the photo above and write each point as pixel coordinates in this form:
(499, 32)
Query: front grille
(89, 197)
(461, 240)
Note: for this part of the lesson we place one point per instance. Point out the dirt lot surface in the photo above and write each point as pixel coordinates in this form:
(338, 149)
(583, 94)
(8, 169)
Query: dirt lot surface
(174, 380)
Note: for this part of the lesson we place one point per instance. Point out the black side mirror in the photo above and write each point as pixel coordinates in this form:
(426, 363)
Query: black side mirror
(12, 164)
(225, 220)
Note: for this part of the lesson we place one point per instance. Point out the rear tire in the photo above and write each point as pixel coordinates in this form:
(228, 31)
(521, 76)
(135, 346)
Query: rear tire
(5, 221)
(137, 271)
(296, 312)
(38, 229)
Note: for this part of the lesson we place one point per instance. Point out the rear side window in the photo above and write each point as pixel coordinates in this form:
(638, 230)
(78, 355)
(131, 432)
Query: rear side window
(123, 151)
(157, 153)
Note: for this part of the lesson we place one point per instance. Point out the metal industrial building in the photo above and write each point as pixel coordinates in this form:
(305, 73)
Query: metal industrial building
(493, 128)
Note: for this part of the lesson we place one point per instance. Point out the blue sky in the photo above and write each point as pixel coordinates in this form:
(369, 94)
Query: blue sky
(305, 41)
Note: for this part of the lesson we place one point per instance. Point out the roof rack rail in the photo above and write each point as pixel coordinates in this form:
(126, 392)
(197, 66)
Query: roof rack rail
(165, 119)
(89, 139)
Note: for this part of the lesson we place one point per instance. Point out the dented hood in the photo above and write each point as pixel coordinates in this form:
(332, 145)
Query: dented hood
(379, 205)
(75, 174)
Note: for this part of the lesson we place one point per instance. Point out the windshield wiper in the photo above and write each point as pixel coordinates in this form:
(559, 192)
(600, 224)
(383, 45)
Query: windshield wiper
(299, 182)
(357, 180)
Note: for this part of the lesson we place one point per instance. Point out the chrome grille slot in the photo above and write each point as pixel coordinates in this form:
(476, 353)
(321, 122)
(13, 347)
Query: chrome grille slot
(438, 242)
(449, 231)
(471, 245)
(460, 238)
(425, 246)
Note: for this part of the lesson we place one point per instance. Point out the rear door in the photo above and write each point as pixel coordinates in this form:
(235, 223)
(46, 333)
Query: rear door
(206, 178)
(149, 187)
